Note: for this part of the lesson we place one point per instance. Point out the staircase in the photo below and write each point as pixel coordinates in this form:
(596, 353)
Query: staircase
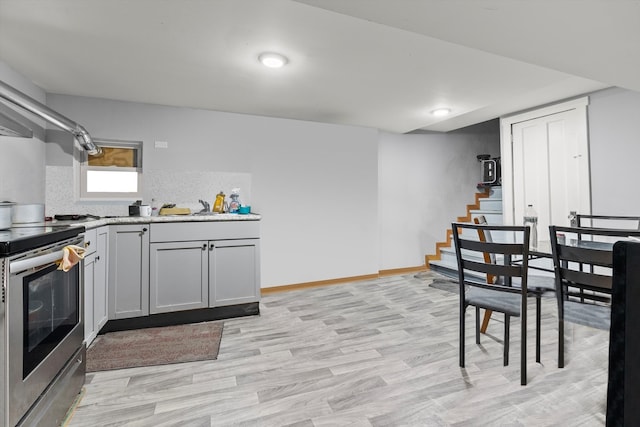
(487, 204)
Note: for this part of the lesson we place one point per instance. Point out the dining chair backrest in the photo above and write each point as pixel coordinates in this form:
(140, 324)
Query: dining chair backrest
(583, 261)
(608, 221)
(477, 257)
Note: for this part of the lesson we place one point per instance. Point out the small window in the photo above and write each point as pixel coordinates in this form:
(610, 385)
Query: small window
(116, 173)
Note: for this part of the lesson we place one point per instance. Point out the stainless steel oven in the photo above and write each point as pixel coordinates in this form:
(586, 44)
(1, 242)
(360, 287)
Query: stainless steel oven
(43, 333)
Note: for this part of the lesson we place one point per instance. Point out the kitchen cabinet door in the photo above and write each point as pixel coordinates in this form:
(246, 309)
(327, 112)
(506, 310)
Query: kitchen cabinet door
(89, 283)
(128, 271)
(95, 284)
(234, 272)
(100, 295)
(178, 276)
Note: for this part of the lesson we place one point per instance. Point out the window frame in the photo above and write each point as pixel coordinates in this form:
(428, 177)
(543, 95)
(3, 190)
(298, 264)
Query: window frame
(83, 168)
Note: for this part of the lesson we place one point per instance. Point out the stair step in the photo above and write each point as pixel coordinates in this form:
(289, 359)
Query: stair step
(492, 217)
(491, 208)
(491, 205)
(448, 270)
(495, 192)
(448, 255)
(444, 269)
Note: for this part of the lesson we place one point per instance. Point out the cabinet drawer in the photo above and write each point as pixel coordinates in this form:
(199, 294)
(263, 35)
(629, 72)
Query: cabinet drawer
(91, 241)
(213, 230)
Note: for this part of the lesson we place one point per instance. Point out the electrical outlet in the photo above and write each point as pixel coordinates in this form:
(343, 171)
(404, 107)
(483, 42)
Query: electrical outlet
(161, 144)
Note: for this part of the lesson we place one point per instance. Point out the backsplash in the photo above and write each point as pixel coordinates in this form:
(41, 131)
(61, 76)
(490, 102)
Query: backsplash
(182, 188)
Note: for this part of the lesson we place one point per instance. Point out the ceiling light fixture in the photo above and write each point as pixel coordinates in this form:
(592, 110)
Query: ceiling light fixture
(441, 112)
(273, 60)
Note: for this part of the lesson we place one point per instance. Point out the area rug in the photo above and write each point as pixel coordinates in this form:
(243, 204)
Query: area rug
(155, 346)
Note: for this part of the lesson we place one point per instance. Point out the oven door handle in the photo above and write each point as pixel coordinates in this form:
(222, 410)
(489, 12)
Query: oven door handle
(38, 261)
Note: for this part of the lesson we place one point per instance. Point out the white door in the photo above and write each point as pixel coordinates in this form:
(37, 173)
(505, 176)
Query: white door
(548, 166)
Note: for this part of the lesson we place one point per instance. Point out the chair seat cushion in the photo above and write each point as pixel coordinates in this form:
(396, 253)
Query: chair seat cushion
(503, 302)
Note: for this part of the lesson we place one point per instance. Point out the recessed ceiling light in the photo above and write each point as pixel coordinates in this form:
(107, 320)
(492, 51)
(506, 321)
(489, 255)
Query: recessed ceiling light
(441, 112)
(273, 60)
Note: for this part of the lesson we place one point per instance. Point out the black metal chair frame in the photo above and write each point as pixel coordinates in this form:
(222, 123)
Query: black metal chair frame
(576, 267)
(580, 217)
(506, 272)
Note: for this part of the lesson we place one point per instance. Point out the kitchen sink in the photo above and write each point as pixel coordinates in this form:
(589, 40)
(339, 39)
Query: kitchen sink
(204, 213)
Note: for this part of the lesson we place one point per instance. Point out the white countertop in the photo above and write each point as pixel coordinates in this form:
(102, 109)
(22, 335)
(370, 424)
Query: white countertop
(93, 223)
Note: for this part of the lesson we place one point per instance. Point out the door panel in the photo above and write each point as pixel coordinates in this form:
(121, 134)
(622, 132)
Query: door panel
(178, 276)
(234, 272)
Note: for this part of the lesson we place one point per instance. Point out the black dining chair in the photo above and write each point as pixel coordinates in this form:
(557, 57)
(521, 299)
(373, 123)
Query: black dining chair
(608, 221)
(582, 259)
(502, 295)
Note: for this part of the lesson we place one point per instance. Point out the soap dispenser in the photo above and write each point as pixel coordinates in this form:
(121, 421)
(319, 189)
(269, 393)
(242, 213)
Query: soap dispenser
(218, 204)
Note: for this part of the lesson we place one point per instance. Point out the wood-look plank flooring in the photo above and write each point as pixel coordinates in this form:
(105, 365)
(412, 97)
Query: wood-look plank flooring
(381, 352)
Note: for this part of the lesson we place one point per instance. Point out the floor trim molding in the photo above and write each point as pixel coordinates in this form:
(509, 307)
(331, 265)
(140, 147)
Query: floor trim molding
(342, 280)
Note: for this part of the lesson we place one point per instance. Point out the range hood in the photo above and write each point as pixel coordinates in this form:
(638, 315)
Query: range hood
(14, 97)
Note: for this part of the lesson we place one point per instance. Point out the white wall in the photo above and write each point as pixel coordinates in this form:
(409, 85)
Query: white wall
(22, 160)
(426, 181)
(315, 184)
(337, 201)
(614, 144)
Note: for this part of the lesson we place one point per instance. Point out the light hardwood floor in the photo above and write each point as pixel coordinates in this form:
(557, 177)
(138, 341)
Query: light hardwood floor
(373, 353)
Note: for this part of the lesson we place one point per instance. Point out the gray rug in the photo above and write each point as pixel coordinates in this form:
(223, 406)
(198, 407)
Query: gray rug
(155, 346)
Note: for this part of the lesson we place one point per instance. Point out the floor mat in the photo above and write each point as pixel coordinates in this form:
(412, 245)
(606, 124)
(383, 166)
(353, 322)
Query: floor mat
(155, 346)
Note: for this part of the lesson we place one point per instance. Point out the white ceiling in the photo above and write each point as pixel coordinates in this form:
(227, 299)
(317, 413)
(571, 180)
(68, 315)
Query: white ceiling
(377, 63)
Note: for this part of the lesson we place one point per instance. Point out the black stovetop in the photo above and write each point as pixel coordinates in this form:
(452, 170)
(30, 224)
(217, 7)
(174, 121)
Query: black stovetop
(21, 239)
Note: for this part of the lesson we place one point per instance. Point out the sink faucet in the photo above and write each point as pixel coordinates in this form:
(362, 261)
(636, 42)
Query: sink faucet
(205, 205)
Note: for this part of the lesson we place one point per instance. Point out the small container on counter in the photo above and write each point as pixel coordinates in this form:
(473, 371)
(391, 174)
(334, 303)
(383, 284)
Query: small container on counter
(5, 215)
(27, 213)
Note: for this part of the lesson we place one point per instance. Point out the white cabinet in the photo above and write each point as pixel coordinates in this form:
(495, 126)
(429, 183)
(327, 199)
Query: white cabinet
(161, 268)
(178, 276)
(95, 282)
(128, 271)
(204, 264)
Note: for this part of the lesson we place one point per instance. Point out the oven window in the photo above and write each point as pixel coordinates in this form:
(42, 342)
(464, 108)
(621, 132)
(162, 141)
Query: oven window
(51, 310)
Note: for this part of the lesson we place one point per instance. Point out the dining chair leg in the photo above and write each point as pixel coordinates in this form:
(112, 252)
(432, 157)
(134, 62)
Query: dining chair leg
(477, 325)
(506, 340)
(461, 356)
(538, 315)
(560, 343)
(485, 321)
(523, 348)
(560, 333)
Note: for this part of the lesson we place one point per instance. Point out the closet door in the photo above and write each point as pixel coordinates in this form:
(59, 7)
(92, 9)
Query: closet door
(548, 167)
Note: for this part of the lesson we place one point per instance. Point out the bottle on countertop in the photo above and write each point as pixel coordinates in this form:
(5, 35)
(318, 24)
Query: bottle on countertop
(218, 204)
(155, 207)
(234, 204)
(531, 220)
